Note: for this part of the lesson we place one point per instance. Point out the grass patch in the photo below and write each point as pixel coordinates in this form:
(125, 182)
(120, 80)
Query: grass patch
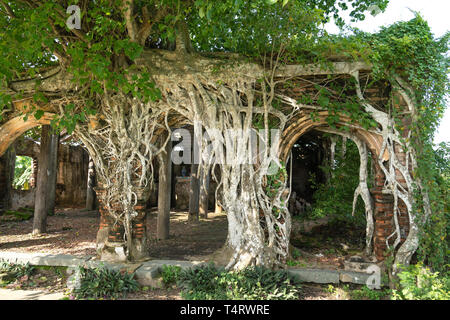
(22, 214)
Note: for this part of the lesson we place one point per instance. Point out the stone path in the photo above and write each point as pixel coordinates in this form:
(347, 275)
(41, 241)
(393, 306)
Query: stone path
(10, 294)
(147, 273)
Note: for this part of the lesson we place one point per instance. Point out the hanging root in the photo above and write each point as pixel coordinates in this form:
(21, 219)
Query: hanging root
(121, 144)
(400, 182)
(258, 218)
(362, 190)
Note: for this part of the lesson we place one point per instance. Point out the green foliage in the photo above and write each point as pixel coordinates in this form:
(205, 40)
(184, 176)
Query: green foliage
(277, 180)
(296, 253)
(170, 274)
(101, 55)
(21, 213)
(102, 283)
(365, 293)
(420, 283)
(334, 197)
(15, 271)
(22, 172)
(267, 25)
(253, 283)
(409, 49)
(258, 26)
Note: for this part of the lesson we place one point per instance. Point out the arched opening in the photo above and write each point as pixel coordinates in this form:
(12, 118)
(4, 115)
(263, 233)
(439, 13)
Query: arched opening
(326, 231)
(69, 228)
(325, 174)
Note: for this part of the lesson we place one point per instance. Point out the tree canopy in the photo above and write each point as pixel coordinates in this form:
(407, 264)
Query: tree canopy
(114, 32)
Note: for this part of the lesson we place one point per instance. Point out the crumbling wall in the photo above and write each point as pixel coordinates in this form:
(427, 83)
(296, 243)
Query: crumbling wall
(71, 182)
(6, 178)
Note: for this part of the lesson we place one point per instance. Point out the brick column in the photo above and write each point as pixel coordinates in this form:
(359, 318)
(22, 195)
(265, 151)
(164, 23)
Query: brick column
(384, 215)
(111, 235)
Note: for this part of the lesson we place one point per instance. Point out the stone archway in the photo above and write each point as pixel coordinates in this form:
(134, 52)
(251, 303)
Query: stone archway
(302, 122)
(9, 132)
(383, 205)
(17, 126)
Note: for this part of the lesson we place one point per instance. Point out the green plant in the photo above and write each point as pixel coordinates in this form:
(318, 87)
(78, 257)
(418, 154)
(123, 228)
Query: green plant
(293, 263)
(253, 283)
(170, 274)
(296, 253)
(22, 172)
(417, 282)
(15, 271)
(19, 214)
(334, 197)
(370, 294)
(102, 283)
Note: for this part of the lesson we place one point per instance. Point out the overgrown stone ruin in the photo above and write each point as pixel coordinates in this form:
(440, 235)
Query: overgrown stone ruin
(71, 186)
(128, 136)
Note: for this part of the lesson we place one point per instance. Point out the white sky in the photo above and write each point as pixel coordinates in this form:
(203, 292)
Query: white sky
(436, 12)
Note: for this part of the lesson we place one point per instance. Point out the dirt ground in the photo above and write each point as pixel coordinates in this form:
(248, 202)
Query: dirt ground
(326, 245)
(73, 231)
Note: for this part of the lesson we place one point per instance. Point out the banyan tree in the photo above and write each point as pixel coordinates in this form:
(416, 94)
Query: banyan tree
(247, 75)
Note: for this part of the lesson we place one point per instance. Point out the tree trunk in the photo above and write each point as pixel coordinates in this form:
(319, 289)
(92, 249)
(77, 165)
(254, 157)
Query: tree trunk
(45, 197)
(194, 195)
(52, 173)
(90, 193)
(164, 193)
(9, 175)
(246, 239)
(204, 193)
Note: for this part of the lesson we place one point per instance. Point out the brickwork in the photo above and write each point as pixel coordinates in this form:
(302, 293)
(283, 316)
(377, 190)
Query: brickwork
(384, 213)
(116, 230)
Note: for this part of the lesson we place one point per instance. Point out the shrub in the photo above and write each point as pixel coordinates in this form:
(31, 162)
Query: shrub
(170, 274)
(370, 294)
(16, 270)
(20, 215)
(101, 283)
(253, 283)
(420, 283)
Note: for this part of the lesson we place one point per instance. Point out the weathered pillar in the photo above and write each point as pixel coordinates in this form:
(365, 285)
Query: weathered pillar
(110, 236)
(403, 217)
(90, 193)
(34, 172)
(204, 194)
(384, 217)
(46, 180)
(52, 173)
(194, 194)
(164, 193)
(218, 208)
(7, 165)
